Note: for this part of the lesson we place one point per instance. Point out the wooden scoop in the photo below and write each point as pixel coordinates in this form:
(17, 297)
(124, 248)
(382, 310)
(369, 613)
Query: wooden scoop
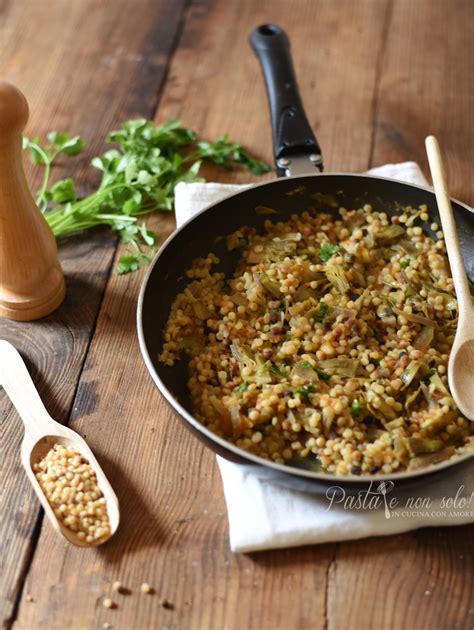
(42, 433)
(461, 359)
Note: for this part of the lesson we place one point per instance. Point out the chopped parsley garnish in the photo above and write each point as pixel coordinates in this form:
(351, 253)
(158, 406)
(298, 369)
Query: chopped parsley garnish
(324, 376)
(305, 391)
(243, 387)
(321, 314)
(327, 250)
(356, 408)
(268, 367)
(404, 263)
(276, 371)
(306, 364)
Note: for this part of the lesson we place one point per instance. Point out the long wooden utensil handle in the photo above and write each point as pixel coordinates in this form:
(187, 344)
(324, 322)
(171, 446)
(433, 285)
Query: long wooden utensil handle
(456, 262)
(16, 380)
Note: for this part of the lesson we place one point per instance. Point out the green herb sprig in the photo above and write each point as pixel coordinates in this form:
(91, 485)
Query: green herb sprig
(321, 314)
(327, 251)
(243, 387)
(305, 391)
(137, 177)
(324, 376)
(356, 408)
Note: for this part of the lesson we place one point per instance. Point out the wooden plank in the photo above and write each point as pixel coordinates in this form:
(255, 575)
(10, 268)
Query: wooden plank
(426, 87)
(84, 68)
(418, 580)
(174, 528)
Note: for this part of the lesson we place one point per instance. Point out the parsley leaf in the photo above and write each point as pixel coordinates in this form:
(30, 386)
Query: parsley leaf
(324, 376)
(356, 407)
(327, 250)
(243, 387)
(404, 263)
(321, 314)
(138, 176)
(126, 264)
(305, 391)
(269, 367)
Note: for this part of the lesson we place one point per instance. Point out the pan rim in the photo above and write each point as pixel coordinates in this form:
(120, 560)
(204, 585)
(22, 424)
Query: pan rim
(325, 478)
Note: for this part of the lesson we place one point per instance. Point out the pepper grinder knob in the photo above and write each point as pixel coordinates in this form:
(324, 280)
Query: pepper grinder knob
(31, 279)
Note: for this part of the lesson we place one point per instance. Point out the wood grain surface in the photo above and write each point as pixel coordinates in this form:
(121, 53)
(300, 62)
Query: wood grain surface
(67, 58)
(366, 75)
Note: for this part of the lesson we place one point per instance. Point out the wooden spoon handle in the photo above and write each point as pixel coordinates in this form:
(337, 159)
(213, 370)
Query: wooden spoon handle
(456, 262)
(16, 380)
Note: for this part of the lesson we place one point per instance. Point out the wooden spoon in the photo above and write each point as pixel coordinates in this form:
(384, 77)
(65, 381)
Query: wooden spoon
(461, 359)
(42, 433)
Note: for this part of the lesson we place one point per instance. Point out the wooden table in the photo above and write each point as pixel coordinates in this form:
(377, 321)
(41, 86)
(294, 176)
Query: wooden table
(376, 77)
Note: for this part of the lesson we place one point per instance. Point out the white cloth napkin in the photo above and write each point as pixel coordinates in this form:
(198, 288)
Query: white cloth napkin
(265, 514)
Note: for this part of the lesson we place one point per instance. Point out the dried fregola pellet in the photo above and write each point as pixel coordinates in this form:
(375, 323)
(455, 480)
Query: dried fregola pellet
(70, 485)
(165, 603)
(118, 587)
(146, 588)
(108, 603)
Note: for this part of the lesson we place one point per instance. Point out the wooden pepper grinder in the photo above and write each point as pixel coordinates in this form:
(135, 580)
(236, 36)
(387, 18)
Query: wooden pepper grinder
(31, 279)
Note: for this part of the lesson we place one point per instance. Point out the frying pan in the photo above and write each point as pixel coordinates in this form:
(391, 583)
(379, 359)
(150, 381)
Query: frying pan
(300, 186)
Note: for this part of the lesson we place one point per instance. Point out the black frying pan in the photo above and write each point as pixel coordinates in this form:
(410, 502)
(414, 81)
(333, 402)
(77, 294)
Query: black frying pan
(298, 162)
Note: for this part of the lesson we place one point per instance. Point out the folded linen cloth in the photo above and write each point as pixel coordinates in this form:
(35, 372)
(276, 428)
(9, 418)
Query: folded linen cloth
(265, 514)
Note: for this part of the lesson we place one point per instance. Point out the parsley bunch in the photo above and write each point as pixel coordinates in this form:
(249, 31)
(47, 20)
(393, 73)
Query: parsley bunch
(137, 177)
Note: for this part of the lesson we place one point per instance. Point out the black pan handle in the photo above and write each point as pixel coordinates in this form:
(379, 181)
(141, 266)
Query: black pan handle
(292, 134)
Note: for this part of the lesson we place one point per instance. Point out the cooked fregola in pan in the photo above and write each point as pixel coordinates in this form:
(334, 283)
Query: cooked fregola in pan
(329, 344)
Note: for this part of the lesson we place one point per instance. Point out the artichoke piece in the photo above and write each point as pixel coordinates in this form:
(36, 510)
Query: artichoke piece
(400, 443)
(358, 278)
(340, 366)
(304, 293)
(337, 277)
(411, 399)
(271, 286)
(407, 246)
(228, 416)
(333, 313)
(417, 319)
(424, 338)
(432, 458)
(408, 375)
(384, 311)
(390, 233)
(281, 248)
(243, 356)
(437, 385)
(383, 411)
(274, 250)
(374, 434)
(304, 370)
(424, 445)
